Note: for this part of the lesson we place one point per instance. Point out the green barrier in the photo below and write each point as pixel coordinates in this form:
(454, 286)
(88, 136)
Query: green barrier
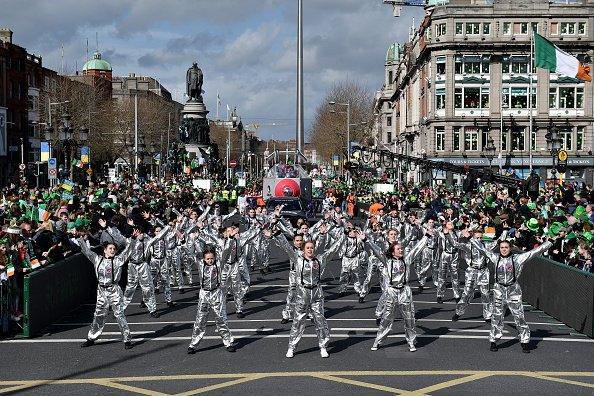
(563, 292)
(52, 291)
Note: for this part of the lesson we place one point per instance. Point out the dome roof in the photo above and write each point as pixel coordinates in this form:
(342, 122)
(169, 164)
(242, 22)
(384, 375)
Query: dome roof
(393, 54)
(97, 63)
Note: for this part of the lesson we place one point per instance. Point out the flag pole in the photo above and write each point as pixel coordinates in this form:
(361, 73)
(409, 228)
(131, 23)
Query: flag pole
(530, 99)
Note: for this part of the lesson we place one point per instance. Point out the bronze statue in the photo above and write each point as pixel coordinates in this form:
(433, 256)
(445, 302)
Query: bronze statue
(194, 79)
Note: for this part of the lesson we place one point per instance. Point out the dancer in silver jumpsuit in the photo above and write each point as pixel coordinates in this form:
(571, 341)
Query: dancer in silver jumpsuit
(310, 296)
(449, 262)
(395, 276)
(108, 269)
(477, 273)
(430, 256)
(158, 265)
(353, 259)
(139, 272)
(507, 291)
(211, 297)
(234, 271)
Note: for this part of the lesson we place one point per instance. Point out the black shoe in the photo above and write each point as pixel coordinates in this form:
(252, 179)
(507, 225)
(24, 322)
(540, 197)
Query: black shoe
(378, 321)
(439, 300)
(494, 347)
(170, 304)
(240, 315)
(488, 320)
(420, 289)
(525, 347)
(87, 343)
(128, 344)
(361, 300)
(455, 318)
(231, 348)
(191, 351)
(142, 304)
(155, 314)
(284, 321)
(181, 290)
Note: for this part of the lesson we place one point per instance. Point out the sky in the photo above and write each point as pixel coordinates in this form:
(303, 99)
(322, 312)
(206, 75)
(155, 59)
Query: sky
(245, 48)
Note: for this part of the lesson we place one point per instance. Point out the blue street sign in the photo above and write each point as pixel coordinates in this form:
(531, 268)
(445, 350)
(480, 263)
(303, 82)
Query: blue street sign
(52, 162)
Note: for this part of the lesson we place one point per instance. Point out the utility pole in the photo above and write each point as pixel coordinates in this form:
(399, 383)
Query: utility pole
(300, 128)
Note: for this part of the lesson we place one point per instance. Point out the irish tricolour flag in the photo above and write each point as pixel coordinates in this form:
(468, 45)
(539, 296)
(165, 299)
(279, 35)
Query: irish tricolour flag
(548, 56)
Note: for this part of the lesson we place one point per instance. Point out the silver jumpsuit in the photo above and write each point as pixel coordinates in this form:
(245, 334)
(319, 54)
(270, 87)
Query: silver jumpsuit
(234, 269)
(309, 295)
(395, 276)
(477, 274)
(448, 264)
(139, 272)
(411, 234)
(353, 259)
(507, 291)
(159, 270)
(211, 296)
(429, 259)
(108, 272)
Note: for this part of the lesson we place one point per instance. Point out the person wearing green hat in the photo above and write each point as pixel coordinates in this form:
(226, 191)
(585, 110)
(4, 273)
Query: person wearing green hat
(507, 291)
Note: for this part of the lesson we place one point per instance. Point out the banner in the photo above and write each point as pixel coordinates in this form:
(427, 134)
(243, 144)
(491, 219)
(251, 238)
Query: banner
(85, 153)
(45, 151)
(3, 126)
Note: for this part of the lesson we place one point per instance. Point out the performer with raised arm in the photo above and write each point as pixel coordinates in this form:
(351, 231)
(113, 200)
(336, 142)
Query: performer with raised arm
(108, 269)
(506, 289)
(309, 294)
(395, 275)
(449, 262)
(139, 272)
(211, 297)
(477, 272)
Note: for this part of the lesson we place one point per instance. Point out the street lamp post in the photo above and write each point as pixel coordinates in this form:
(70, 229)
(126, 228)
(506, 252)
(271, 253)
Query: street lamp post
(554, 144)
(490, 151)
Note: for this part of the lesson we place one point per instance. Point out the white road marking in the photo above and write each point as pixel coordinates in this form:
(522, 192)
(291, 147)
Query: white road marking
(264, 336)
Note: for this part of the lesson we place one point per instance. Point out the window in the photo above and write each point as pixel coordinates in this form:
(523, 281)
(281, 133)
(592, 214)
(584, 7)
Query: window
(440, 98)
(581, 28)
(521, 28)
(534, 27)
(440, 29)
(456, 139)
(484, 137)
(566, 140)
(507, 28)
(579, 141)
(389, 121)
(439, 138)
(518, 139)
(459, 28)
(389, 137)
(390, 77)
(472, 65)
(567, 28)
(517, 97)
(515, 65)
(533, 141)
(441, 64)
(471, 97)
(566, 97)
(486, 28)
(470, 139)
(504, 140)
(554, 28)
(473, 28)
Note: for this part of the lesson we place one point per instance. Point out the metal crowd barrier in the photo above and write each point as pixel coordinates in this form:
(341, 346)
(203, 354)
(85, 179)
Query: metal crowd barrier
(563, 292)
(52, 291)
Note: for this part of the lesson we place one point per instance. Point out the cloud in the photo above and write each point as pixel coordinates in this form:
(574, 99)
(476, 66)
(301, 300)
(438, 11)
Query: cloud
(247, 48)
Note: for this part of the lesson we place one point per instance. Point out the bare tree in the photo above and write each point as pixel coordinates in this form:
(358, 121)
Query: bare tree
(328, 134)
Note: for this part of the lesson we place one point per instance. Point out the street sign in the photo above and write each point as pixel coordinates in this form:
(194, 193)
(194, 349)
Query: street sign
(22, 167)
(52, 162)
(562, 155)
(90, 172)
(233, 163)
(52, 173)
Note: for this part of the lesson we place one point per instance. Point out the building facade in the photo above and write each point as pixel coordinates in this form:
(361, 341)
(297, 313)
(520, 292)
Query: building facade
(466, 78)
